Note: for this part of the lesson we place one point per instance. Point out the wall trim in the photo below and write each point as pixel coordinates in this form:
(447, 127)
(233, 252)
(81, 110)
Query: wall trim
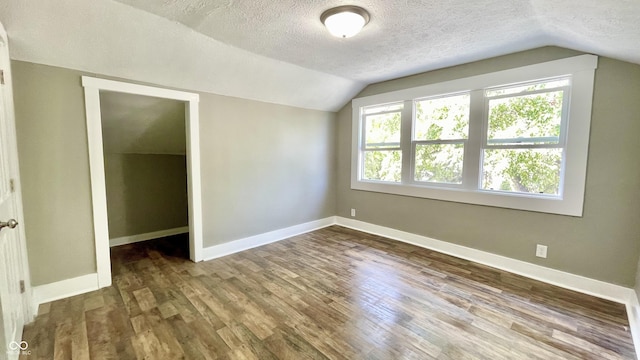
(86, 283)
(64, 289)
(92, 87)
(597, 288)
(130, 239)
(563, 279)
(633, 312)
(250, 242)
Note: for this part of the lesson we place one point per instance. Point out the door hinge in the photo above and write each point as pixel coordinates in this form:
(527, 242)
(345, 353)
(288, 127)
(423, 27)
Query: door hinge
(1, 77)
(22, 287)
(12, 185)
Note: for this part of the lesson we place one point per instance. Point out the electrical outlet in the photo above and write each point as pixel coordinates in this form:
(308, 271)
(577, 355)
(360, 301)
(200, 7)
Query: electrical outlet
(541, 251)
(353, 212)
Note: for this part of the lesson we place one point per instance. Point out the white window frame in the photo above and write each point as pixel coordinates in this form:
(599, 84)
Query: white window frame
(562, 138)
(415, 143)
(363, 147)
(581, 69)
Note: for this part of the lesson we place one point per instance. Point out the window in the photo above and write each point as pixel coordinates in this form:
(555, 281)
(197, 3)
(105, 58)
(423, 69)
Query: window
(440, 131)
(525, 137)
(516, 138)
(382, 154)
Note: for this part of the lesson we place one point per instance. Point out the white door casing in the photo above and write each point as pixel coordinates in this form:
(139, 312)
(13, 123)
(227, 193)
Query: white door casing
(92, 87)
(15, 288)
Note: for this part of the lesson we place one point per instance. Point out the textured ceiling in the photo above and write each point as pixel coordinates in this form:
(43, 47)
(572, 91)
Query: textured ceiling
(134, 124)
(405, 37)
(278, 51)
(106, 37)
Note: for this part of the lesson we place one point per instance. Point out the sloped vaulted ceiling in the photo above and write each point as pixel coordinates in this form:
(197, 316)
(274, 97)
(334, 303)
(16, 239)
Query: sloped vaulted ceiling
(278, 51)
(135, 124)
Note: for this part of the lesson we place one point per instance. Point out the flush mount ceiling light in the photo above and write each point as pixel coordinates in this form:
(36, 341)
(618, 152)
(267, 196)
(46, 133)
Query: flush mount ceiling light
(345, 21)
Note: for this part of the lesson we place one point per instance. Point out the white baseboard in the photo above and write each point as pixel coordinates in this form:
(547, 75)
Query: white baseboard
(563, 279)
(63, 289)
(250, 242)
(559, 278)
(633, 312)
(147, 236)
(601, 289)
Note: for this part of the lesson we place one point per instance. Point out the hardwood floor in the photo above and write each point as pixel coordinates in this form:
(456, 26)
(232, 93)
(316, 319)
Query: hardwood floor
(333, 293)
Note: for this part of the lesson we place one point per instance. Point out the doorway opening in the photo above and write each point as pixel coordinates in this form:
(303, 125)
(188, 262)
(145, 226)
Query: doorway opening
(93, 88)
(144, 146)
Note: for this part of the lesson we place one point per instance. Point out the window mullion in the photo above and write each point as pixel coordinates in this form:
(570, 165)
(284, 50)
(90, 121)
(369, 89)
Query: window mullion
(562, 161)
(566, 94)
(473, 146)
(527, 146)
(406, 135)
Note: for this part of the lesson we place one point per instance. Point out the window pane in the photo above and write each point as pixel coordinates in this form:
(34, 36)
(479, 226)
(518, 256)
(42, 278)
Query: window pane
(444, 118)
(441, 163)
(526, 119)
(383, 165)
(527, 87)
(382, 130)
(534, 171)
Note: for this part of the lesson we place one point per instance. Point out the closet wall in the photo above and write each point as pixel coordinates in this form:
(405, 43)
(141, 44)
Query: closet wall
(145, 164)
(145, 193)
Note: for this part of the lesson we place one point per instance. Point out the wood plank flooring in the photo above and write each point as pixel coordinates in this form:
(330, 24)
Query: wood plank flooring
(333, 293)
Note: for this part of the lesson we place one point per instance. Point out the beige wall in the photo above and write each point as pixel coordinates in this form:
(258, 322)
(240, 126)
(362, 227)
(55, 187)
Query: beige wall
(604, 244)
(54, 168)
(264, 167)
(145, 193)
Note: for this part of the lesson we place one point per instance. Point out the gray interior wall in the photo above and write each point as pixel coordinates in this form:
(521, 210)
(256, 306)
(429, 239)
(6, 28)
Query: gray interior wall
(54, 169)
(264, 167)
(604, 244)
(145, 193)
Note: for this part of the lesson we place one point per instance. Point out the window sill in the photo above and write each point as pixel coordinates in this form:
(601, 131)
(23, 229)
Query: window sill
(569, 204)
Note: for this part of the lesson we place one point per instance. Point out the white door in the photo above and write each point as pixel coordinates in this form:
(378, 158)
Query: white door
(14, 282)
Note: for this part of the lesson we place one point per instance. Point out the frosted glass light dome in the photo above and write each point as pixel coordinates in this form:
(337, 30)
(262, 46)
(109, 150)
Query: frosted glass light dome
(345, 21)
